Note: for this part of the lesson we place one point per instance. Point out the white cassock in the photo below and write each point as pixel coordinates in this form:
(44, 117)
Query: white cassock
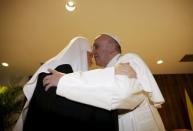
(75, 54)
(102, 88)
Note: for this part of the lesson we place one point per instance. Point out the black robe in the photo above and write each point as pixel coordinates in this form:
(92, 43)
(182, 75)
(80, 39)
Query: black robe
(50, 112)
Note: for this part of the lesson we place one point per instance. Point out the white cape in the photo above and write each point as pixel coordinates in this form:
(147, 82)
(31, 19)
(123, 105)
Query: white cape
(74, 54)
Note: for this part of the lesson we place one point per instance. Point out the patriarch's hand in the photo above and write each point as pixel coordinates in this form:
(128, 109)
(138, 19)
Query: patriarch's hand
(125, 69)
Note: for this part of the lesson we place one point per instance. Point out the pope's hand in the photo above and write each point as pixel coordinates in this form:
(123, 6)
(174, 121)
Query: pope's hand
(125, 69)
(52, 80)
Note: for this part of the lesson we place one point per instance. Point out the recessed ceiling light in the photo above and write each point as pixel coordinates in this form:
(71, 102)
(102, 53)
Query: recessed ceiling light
(160, 62)
(70, 5)
(4, 64)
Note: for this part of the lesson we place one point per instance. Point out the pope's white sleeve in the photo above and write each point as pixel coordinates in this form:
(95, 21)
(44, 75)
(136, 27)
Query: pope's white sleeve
(101, 88)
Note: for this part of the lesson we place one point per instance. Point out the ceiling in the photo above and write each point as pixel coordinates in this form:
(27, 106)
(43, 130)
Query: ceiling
(32, 31)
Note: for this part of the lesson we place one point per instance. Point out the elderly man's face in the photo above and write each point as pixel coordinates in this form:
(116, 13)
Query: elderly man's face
(102, 50)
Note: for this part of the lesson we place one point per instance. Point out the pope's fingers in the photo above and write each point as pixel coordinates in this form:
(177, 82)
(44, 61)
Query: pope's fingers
(132, 76)
(45, 80)
(124, 64)
(45, 83)
(48, 87)
(125, 69)
(52, 71)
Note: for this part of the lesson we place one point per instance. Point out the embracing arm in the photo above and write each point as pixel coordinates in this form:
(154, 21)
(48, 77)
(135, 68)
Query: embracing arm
(101, 88)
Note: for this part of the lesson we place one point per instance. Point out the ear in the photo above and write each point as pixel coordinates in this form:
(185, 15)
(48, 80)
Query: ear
(112, 48)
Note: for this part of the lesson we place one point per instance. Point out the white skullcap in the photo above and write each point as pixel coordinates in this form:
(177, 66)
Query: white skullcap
(112, 36)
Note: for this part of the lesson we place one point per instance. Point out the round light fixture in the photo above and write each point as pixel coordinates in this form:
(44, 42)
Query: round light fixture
(4, 64)
(160, 62)
(70, 6)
